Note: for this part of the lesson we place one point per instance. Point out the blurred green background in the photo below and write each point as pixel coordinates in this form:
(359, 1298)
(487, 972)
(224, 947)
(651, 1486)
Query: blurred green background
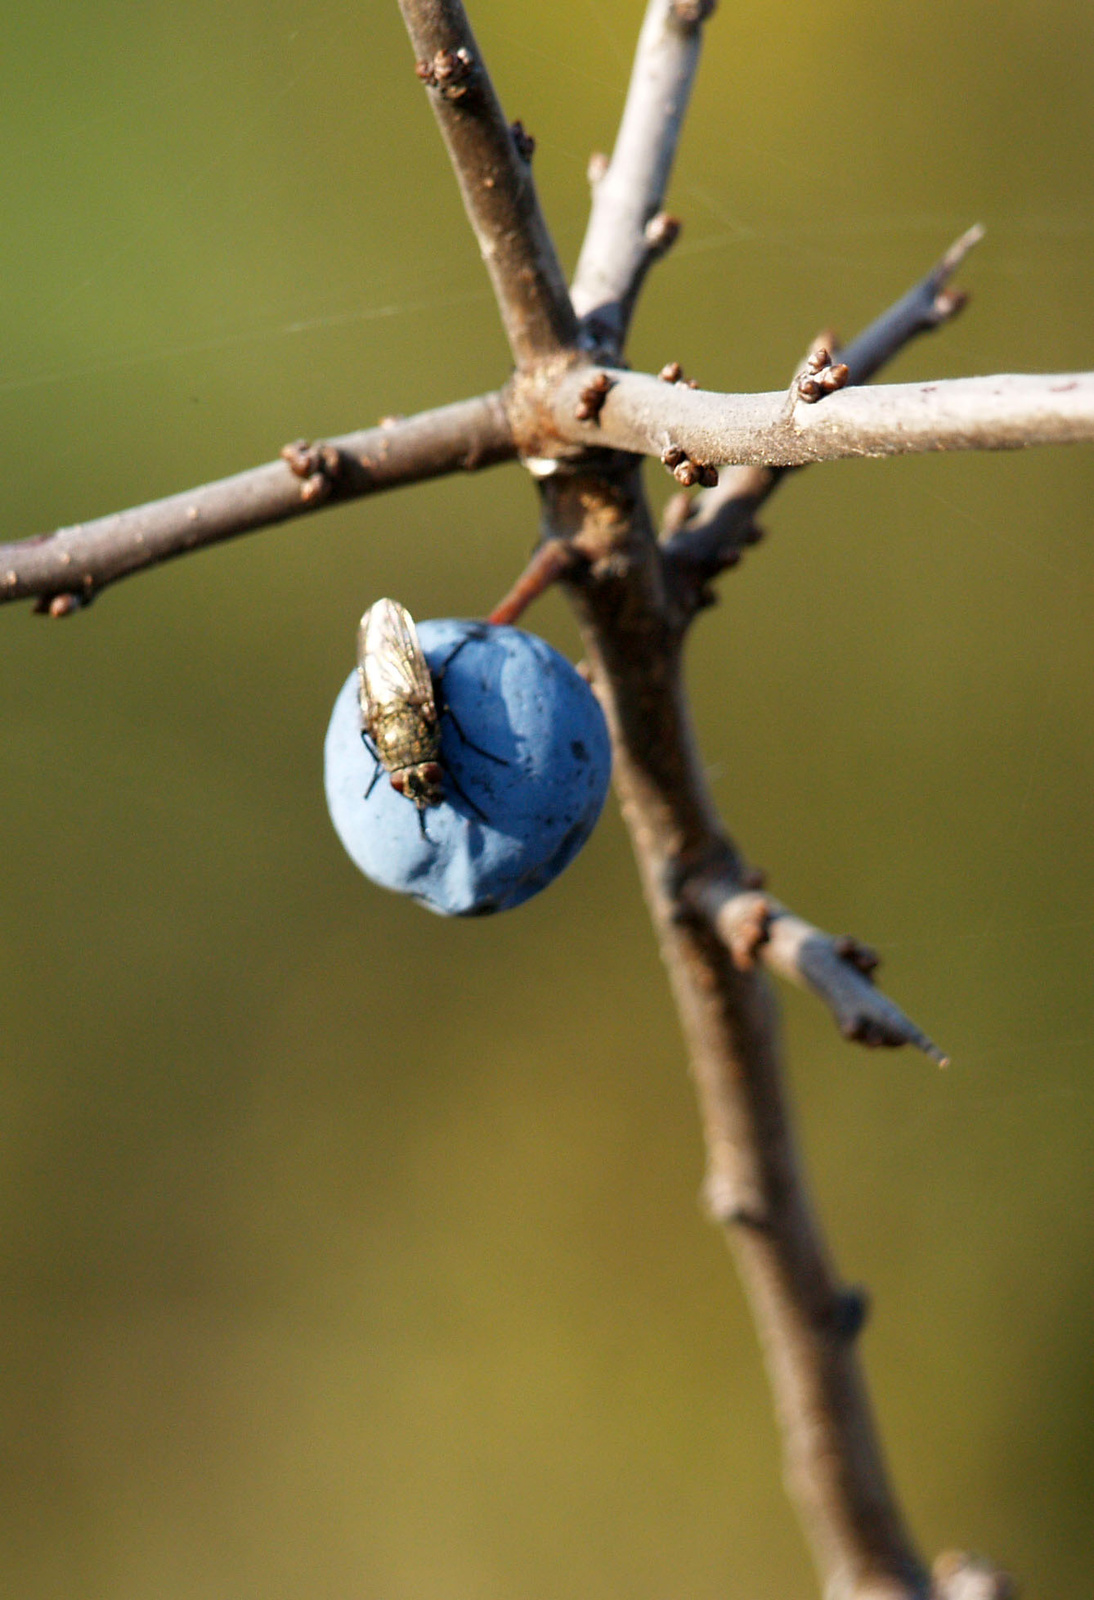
(351, 1254)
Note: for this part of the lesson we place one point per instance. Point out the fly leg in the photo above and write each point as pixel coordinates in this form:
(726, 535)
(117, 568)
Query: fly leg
(445, 710)
(450, 776)
(375, 754)
(451, 779)
(438, 676)
(470, 743)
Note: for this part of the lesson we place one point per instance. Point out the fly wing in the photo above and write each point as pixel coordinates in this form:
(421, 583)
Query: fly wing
(390, 661)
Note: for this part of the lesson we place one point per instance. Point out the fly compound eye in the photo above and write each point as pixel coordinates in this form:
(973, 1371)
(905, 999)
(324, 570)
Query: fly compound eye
(398, 782)
(432, 773)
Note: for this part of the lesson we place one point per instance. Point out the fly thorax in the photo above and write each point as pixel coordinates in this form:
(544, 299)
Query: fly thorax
(405, 737)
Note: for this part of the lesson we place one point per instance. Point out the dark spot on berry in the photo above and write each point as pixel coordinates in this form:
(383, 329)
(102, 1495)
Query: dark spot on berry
(485, 908)
(578, 750)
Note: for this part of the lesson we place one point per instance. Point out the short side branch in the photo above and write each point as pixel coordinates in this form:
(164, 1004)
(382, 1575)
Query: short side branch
(756, 929)
(547, 564)
(625, 233)
(495, 178)
(71, 565)
(1005, 412)
(926, 306)
(707, 533)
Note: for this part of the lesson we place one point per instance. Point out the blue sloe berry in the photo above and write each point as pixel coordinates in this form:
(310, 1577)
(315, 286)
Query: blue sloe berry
(532, 790)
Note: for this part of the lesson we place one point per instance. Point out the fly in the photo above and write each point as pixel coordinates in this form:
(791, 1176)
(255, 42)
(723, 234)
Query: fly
(401, 709)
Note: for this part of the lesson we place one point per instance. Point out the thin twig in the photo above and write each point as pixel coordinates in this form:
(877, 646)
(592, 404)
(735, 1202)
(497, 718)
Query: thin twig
(493, 168)
(546, 566)
(928, 305)
(1003, 412)
(74, 563)
(707, 532)
(755, 928)
(625, 232)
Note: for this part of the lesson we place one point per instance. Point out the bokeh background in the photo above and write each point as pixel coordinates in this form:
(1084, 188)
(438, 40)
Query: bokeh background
(351, 1254)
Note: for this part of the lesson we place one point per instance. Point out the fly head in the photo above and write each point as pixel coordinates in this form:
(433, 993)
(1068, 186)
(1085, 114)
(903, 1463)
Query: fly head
(421, 783)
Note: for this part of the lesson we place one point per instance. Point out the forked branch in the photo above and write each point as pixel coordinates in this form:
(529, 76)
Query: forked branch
(634, 413)
(706, 533)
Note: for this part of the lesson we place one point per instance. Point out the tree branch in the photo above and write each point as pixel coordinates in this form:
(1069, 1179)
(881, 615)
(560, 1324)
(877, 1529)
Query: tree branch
(625, 233)
(707, 532)
(1006, 412)
(755, 1186)
(547, 564)
(495, 178)
(71, 565)
(927, 305)
(633, 413)
(756, 929)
